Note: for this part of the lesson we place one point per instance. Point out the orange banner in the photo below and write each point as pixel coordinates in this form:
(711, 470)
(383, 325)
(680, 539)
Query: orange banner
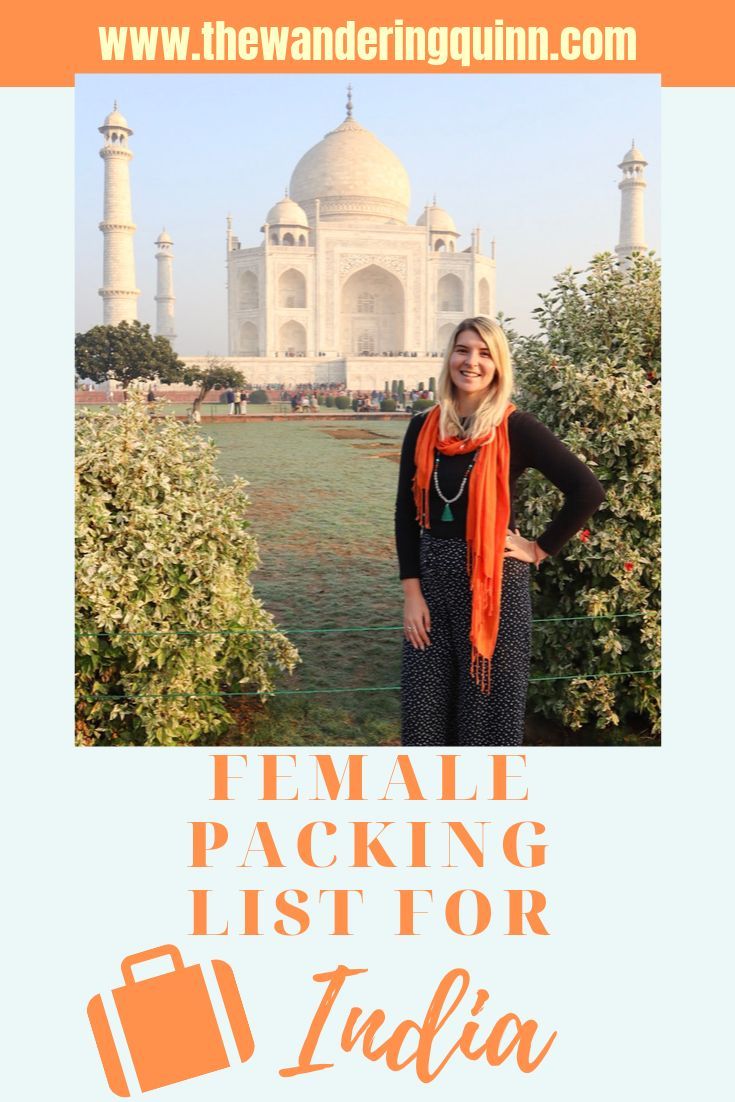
(47, 46)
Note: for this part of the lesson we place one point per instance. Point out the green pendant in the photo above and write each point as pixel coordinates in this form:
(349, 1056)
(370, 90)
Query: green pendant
(447, 514)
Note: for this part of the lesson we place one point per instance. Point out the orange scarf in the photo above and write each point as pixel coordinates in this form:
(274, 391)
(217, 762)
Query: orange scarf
(488, 514)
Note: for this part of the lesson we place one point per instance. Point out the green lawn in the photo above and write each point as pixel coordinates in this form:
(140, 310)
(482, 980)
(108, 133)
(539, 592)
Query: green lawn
(322, 511)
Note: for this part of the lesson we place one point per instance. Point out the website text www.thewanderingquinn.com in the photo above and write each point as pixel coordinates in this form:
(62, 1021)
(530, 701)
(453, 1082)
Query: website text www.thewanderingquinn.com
(397, 42)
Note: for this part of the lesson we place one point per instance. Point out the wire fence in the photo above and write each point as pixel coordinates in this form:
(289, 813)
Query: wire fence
(321, 631)
(349, 689)
(333, 631)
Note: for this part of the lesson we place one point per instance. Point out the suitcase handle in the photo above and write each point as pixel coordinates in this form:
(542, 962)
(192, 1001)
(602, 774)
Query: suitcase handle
(150, 954)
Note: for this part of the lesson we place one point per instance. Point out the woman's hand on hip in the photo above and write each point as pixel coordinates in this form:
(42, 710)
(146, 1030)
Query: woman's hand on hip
(416, 615)
(518, 547)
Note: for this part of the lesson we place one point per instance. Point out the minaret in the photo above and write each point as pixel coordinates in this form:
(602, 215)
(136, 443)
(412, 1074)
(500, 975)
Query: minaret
(119, 293)
(165, 297)
(632, 186)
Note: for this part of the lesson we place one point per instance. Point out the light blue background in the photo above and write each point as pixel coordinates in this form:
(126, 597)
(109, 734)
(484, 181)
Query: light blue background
(95, 848)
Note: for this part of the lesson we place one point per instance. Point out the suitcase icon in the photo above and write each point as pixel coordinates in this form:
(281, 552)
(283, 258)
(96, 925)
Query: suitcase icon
(169, 1023)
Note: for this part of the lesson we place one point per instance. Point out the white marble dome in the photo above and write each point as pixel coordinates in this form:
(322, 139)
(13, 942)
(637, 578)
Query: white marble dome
(354, 176)
(116, 120)
(287, 213)
(440, 221)
(633, 154)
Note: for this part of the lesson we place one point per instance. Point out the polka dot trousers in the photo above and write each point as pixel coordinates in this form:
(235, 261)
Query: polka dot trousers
(441, 705)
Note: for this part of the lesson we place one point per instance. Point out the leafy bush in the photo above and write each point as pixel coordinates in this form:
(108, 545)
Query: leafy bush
(259, 398)
(388, 405)
(330, 401)
(342, 401)
(163, 558)
(420, 404)
(592, 376)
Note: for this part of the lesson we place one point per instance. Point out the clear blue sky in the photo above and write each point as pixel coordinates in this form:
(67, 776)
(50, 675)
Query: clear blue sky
(531, 159)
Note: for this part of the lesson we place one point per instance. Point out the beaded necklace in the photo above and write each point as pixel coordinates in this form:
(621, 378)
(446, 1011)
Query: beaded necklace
(447, 514)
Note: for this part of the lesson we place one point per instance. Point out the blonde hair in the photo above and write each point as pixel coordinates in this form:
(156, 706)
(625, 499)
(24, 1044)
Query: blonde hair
(489, 415)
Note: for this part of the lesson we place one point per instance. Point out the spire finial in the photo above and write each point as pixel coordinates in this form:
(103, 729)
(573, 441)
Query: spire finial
(114, 105)
(349, 101)
(433, 202)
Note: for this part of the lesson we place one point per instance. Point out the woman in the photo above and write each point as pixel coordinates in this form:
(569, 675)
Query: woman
(464, 565)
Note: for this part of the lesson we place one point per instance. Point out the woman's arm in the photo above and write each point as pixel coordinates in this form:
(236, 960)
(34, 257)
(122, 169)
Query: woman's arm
(416, 617)
(537, 447)
(406, 525)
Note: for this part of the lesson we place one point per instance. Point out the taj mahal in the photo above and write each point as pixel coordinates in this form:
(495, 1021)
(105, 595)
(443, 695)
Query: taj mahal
(341, 287)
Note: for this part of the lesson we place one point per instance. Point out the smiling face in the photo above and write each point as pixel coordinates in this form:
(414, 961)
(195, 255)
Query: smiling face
(471, 370)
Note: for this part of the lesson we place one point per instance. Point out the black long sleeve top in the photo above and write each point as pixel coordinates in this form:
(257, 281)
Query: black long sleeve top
(531, 445)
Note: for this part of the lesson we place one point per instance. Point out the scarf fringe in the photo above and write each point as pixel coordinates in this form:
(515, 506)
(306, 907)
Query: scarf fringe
(481, 670)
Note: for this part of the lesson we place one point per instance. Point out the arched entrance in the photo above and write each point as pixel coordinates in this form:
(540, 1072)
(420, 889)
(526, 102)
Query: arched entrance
(248, 339)
(450, 294)
(292, 289)
(292, 339)
(372, 313)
